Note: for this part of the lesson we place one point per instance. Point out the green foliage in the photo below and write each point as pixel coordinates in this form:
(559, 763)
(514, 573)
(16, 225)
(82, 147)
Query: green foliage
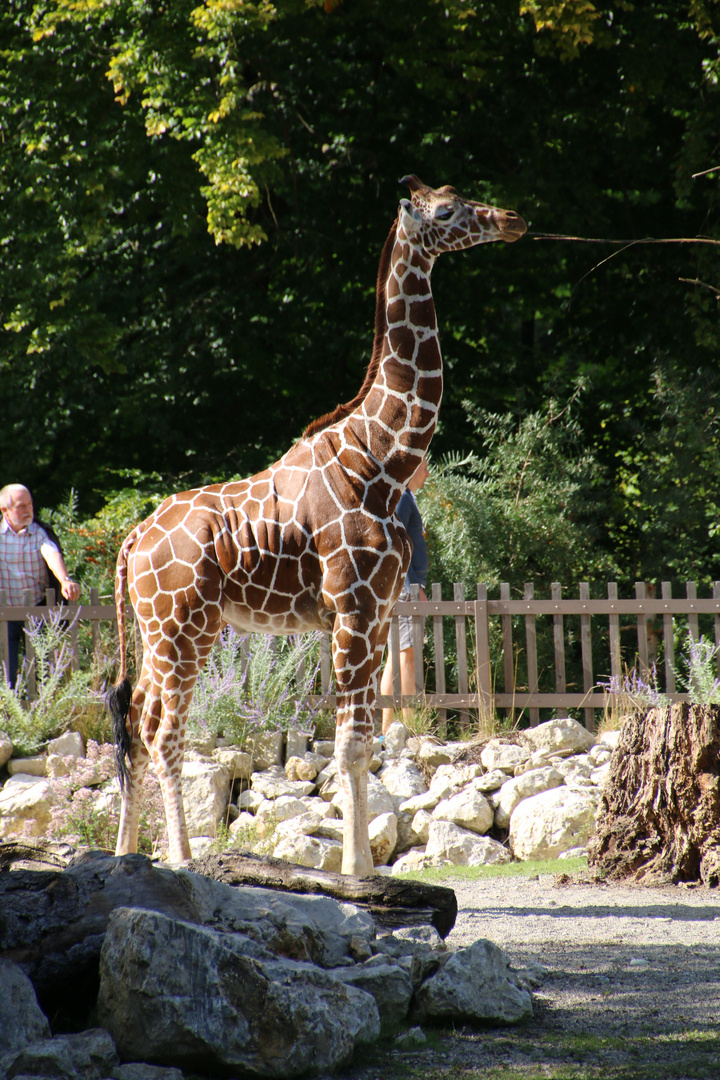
(522, 511)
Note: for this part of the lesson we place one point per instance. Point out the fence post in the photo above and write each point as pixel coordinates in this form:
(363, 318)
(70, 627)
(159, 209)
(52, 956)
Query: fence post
(531, 645)
(439, 658)
(668, 641)
(558, 642)
(29, 601)
(482, 654)
(418, 634)
(640, 594)
(586, 648)
(614, 635)
(460, 638)
(691, 593)
(508, 658)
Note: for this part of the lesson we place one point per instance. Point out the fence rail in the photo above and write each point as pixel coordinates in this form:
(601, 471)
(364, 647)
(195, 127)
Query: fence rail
(492, 636)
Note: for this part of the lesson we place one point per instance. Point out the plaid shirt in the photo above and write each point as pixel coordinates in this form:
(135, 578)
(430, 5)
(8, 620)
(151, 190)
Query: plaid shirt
(22, 565)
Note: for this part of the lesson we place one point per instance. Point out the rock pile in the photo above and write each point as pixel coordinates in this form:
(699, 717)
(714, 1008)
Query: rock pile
(218, 980)
(532, 795)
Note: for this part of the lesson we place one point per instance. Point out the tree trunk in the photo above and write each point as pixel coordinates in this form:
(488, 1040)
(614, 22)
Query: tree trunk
(659, 815)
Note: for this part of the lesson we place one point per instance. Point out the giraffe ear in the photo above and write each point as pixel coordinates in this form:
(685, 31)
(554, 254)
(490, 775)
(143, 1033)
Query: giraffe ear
(410, 217)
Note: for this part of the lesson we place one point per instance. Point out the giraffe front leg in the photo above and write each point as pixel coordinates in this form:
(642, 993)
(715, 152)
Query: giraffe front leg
(353, 750)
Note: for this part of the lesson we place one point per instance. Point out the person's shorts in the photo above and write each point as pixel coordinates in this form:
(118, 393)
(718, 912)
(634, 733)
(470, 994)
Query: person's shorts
(406, 625)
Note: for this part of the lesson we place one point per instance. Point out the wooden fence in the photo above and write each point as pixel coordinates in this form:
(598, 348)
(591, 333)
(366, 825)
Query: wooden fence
(495, 639)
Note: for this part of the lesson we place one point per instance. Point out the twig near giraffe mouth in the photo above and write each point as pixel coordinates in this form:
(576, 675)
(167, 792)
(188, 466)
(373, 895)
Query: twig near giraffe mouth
(626, 243)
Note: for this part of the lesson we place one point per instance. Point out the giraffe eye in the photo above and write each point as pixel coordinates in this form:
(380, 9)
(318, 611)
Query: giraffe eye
(444, 213)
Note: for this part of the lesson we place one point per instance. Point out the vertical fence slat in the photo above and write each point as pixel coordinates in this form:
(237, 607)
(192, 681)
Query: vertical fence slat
(691, 593)
(508, 658)
(461, 642)
(614, 635)
(668, 641)
(586, 649)
(642, 633)
(436, 592)
(531, 646)
(558, 642)
(482, 653)
(395, 661)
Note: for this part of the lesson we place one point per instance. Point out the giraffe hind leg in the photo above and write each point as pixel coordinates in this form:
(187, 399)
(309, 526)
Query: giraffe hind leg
(135, 761)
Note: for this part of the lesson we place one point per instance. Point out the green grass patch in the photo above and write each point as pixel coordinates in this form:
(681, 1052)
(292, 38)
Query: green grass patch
(533, 868)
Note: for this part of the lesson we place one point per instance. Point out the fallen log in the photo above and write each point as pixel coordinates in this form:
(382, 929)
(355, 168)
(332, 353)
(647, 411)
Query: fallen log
(392, 902)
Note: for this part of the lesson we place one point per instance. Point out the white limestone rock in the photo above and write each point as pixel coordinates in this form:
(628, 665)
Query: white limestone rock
(468, 808)
(310, 851)
(545, 825)
(26, 806)
(523, 787)
(383, 838)
(396, 737)
(380, 801)
(503, 755)
(428, 800)
(610, 739)
(447, 842)
(273, 811)
(409, 862)
(250, 800)
(490, 781)
(206, 792)
(431, 754)
(69, 745)
(403, 778)
(266, 749)
(297, 768)
(421, 823)
(272, 783)
(28, 766)
(237, 761)
(475, 986)
(563, 734)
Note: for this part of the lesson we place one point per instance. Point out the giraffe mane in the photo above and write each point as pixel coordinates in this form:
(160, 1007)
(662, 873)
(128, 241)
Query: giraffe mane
(341, 411)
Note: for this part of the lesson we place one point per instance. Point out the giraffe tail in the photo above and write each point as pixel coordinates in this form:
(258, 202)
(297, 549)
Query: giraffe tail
(119, 697)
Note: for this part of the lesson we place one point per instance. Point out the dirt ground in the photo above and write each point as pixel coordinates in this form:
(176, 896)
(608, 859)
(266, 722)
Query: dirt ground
(628, 985)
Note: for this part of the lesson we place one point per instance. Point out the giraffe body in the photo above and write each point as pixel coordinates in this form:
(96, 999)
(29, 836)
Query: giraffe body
(310, 543)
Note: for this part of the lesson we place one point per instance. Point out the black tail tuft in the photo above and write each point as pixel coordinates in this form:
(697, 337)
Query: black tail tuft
(118, 702)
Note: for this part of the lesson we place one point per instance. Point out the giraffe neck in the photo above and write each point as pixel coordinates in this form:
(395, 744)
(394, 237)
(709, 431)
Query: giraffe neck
(397, 416)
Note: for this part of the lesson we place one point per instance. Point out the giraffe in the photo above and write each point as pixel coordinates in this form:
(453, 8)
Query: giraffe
(309, 543)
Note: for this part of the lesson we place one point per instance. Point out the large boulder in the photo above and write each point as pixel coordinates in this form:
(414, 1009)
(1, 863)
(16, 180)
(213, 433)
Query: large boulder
(475, 986)
(189, 996)
(403, 778)
(503, 755)
(447, 842)
(22, 1021)
(389, 984)
(558, 735)
(26, 806)
(545, 825)
(523, 787)
(468, 808)
(206, 792)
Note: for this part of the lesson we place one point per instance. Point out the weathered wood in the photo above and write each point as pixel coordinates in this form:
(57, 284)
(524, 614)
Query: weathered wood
(659, 815)
(392, 902)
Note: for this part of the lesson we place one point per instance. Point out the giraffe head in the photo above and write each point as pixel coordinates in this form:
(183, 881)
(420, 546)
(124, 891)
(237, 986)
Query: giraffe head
(442, 220)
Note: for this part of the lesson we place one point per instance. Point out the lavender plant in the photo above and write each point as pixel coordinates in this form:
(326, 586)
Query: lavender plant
(253, 683)
(62, 692)
(631, 692)
(700, 682)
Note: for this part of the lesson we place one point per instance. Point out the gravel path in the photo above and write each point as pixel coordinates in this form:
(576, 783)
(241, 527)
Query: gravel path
(628, 984)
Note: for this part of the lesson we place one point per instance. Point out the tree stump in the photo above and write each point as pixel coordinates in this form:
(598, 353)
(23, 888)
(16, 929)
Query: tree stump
(659, 814)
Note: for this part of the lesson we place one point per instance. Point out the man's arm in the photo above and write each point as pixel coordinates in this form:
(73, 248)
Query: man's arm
(56, 563)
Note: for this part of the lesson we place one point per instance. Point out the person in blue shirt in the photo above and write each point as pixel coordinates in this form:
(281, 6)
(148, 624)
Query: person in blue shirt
(407, 511)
